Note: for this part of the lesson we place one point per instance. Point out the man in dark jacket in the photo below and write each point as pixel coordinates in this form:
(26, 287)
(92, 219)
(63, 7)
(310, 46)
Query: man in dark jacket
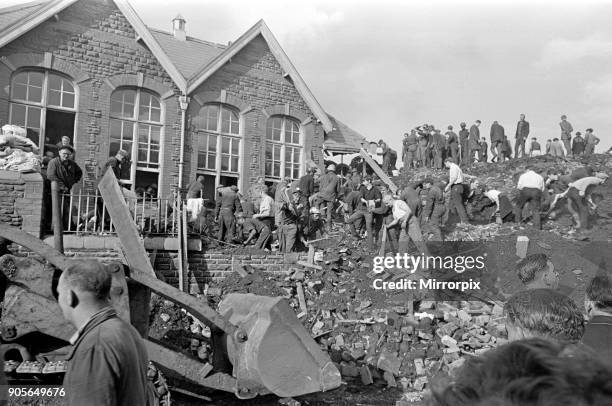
(227, 204)
(453, 144)
(434, 209)
(497, 139)
(410, 149)
(522, 132)
(307, 183)
(464, 143)
(438, 147)
(66, 173)
(566, 134)
(598, 303)
(329, 188)
(578, 145)
(108, 362)
(474, 141)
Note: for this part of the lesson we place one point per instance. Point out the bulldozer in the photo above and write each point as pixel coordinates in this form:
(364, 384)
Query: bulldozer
(258, 344)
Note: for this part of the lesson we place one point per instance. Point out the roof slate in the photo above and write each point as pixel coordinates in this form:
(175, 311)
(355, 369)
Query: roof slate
(12, 15)
(342, 139)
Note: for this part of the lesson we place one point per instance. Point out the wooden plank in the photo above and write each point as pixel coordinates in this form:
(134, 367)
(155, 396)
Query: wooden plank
(377, 169)
(136, 255)
(301, 297)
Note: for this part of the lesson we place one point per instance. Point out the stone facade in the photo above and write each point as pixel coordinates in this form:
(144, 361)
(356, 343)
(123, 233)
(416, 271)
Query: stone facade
(21, 200)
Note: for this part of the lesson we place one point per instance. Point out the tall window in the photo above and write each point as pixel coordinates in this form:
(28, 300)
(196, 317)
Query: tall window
(136, 126)
(283, 148)
(44, 103)
(219, 144)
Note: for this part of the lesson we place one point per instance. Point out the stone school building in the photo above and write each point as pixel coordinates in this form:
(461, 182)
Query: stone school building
(93, 71)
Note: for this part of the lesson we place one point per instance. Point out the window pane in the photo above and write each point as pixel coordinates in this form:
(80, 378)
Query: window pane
(18, 114)
(116, 107)
(114, 148)
(143, 134)
(34, 135)
(68, 100)
(225, 120)
(212, 161)
(212, 143)
(155, 135)
(155, 114)
(234, 164)
(201, 159)
(269, 152)
(235, 146)
(19, 91)
(35, 94)
(235, 128)
(276, 171)
(55, 82)
(35, 79)
(212, 115)
(33, 117)
(115, 128)
(225, 145)
(54, 98)
(68, 88)
(128, 130)
(21, 78)
(224, 163)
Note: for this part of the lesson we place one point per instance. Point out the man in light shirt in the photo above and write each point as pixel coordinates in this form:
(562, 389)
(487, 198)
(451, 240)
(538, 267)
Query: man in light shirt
(455, 186)
(408, 224)
(530, 186)
(579, 198)
(266, 208)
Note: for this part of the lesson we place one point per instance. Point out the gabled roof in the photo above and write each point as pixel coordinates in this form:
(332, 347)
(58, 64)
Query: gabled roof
(260, 28)
(342, 139)
(17, 20)
(189, 55)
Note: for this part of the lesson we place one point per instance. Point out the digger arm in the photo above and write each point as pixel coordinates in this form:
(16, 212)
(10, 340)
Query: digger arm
(140, 266)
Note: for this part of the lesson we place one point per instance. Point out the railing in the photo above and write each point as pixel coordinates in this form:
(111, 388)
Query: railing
(87, 214)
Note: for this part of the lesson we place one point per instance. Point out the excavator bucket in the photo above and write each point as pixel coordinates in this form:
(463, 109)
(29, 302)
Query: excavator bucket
(279, 355)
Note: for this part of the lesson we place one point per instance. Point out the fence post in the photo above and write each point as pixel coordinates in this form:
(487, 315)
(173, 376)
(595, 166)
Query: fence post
(58, 240)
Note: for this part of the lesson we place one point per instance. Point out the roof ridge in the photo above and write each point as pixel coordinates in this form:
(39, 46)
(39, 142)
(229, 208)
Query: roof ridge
(21, 6)
(195, 39)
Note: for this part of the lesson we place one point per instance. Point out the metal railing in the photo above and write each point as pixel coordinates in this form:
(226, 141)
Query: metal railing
(87, 214)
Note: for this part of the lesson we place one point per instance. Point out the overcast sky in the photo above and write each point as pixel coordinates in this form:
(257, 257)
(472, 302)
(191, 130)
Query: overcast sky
(385, 66)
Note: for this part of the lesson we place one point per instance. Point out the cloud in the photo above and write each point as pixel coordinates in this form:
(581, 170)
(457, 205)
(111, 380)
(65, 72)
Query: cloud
(559, 52)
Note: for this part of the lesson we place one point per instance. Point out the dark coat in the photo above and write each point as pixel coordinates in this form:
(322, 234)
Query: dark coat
(107, 364)
(474, 137)
(522, 130)
(497, 133)
(65, 173)
(598, 336)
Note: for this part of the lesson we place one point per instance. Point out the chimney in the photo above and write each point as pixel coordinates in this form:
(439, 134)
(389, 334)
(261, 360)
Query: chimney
(178, 27)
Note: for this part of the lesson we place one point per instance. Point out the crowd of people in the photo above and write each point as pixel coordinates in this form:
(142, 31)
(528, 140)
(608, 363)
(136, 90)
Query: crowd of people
(426, 146)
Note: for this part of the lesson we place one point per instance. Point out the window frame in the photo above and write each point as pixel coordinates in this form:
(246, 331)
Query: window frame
(203, 142)
(43, 105)
(285, 147)
(137, 123)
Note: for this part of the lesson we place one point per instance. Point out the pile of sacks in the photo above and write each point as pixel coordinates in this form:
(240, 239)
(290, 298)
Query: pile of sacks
(17, 152)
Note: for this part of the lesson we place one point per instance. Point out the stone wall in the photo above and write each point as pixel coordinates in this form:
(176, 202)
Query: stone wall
(21, 200)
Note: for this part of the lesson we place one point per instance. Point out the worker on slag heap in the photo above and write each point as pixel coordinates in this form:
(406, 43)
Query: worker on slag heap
(351, 207)
(455, 188)
(371, 198)
(452, 141)
(536, 148)
(482, 152)
(355, 181)
(408, 225)
(474, 140)
(227, 205)
(503, 205)
(387, 154)
(579, 198)
(293, 211)
(280, 197)
(409, 152)
(530, 185)
(329, 188)
(311, 226)
(423, 151)
(307, 183)
(438, 149)
(267, 209)
(464, 135)
(254, 228)
(434, 209)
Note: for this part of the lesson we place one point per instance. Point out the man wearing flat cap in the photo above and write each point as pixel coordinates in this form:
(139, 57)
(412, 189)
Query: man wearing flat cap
(329, 188)
(66, 173)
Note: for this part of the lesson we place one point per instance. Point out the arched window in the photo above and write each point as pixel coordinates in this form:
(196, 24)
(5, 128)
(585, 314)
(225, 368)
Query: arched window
(218, 126)
(136, 126)
(44, 103)
(283, 148)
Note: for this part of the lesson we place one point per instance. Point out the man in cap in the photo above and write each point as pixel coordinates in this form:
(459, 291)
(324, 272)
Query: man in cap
(107, 364)
(227, 204)
(522, 132)
(115, 163)
(386, 153)
(329, 187)
(453, 144)
(254, 228)
(267, 209)
(474, 141)
(66, 173)
(578, 145)
(293, 212)
(566, 134)
(311, 225)
(423, 157)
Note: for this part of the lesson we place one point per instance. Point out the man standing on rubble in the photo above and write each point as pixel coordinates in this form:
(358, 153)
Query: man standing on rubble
(66, 173)
(371, 198)
(566, 134)
(474, 141)
(410, 149)
(590, 141)
(453, 144)
(423, 151)
(482, 152)
(497, 139)
(307, 183)
(227, 204)
(329, 187)
(439, 145)
(108, 361)
(578, 145)
(292, 211)
(464, 135)
(522, 132)
(455, 187)
(531, 185)
(433, 211)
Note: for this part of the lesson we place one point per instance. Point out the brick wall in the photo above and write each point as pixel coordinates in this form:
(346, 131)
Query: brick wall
(254, 80)
(94, 45)
(21, 200)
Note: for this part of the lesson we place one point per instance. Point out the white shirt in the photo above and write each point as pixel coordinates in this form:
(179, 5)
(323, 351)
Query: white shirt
(532, 180)
(455, 174)
(583, 183)
(266, 207)
(400, 209)
(493, 195)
